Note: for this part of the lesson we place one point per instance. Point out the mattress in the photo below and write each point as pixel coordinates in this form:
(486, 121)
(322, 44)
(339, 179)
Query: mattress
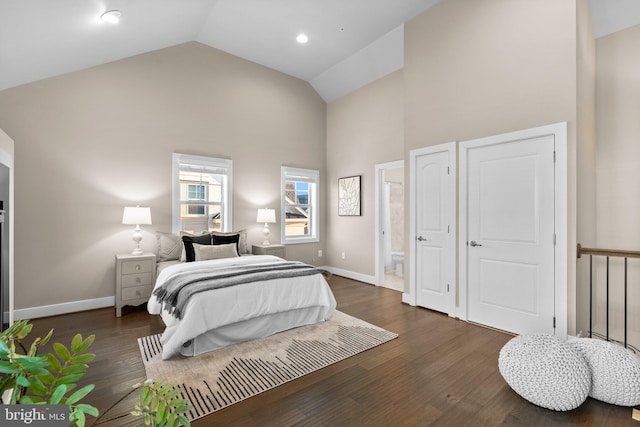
(220, 317)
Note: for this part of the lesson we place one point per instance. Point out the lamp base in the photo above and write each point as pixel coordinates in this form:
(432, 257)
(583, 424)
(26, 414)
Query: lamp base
(265, 231)
(137, 237)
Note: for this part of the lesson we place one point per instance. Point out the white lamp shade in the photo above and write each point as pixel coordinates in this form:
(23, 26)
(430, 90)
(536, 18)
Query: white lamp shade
(136, 215)
(266, 215)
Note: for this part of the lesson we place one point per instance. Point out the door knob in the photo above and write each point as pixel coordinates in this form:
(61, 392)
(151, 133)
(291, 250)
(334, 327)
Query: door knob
(421, 239)
(474, 243)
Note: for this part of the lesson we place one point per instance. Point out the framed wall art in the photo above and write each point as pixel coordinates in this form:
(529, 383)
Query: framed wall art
(349, 196)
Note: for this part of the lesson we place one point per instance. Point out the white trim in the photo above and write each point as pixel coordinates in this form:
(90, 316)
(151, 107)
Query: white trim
(7, 159)
(64, 308)
(451, 148)
(227, 201)
(559, 131)
(379, 173)
(352, 275)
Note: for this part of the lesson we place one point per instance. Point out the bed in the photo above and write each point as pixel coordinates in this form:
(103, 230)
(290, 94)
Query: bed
(228, 314)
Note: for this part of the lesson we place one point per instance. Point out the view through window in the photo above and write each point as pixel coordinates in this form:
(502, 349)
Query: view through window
(300, 205)
(202, 198)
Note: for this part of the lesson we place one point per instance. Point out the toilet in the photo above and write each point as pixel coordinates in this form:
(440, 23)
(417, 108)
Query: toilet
(397, 258)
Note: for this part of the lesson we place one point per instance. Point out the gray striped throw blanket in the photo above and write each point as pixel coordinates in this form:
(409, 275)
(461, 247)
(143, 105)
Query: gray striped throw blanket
(180, 287)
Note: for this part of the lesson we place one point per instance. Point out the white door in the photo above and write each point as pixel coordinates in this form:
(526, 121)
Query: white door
(510, 235)
(432, 239)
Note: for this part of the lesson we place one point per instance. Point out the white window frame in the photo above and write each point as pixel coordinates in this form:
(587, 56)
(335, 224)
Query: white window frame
(311, 176)
(225, 165)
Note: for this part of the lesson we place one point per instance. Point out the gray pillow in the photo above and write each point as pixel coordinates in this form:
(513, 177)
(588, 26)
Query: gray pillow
(169, 246)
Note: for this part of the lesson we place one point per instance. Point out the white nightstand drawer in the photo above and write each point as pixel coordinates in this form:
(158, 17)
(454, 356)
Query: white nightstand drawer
(140, 279)
(137, 292)
(137, 266)
(135, 276)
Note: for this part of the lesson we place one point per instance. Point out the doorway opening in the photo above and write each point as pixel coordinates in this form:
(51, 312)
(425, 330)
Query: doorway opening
(390, 225)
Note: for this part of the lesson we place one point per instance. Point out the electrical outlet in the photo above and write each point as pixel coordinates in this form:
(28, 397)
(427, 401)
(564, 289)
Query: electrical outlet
(344, 256)
(319, 252)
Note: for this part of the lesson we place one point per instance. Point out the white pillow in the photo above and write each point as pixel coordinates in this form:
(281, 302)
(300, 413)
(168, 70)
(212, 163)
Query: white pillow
(204, 252)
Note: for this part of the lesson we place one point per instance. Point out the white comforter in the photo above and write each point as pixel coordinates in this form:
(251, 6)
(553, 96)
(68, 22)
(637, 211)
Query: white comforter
(213, 309)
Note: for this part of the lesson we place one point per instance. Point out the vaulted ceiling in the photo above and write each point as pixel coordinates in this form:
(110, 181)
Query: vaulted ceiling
(351, 42)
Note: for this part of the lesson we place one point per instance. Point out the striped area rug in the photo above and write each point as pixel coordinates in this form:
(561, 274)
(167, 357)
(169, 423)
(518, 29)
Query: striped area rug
(220, 378)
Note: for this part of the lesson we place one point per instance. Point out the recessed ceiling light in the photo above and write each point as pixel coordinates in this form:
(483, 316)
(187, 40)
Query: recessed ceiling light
(111, 16)
(302, 38)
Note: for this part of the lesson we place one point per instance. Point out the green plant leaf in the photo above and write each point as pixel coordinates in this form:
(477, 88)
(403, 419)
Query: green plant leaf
(54, 363)
(183, 421)
(68, 379)
(74, 369)
(58, 394)
(88, 409)
(38, 389)
(8, 368)
(22, 381)
(62, 351)
(46, 339)
(80, 421)
(75, 343)
(82, 358)
(82, 346)
(27, 400)
(80, 394)
(3, 346)
(47, 379)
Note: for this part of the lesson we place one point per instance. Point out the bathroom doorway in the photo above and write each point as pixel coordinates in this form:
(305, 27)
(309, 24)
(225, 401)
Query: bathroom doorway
(390, 225)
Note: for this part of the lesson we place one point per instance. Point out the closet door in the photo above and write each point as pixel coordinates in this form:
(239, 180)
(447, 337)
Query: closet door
(510, 235)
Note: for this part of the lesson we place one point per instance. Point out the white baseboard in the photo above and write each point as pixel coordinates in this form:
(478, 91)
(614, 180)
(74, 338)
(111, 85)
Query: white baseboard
(64, 308)
(407, 298)
(352, 275)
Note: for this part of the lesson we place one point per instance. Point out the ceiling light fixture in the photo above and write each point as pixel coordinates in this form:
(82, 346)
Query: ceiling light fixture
(111, 16)
(302, 38)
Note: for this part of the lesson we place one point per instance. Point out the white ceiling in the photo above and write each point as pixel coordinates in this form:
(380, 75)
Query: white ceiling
(351, 42)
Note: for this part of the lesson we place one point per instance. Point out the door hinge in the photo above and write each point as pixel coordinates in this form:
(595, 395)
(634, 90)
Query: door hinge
(448, 170)
(554, 157)
(448, 228)
(447, 287)
(554, 322)
(554, 239)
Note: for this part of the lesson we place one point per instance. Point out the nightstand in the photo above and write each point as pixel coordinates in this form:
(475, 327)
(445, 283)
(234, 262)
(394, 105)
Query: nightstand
(135, 277)
(273, 249)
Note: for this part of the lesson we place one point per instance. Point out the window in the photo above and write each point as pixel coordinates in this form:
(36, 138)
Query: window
(300, 205)
(201, 194)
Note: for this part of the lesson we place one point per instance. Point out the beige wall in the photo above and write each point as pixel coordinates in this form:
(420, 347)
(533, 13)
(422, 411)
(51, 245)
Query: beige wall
(586, 156)
(90, 142)
(363, 128)
(618, 135)
(618, 171)
(475, 69)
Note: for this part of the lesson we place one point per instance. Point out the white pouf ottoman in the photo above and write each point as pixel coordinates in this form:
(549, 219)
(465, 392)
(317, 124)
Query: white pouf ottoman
(546, 371)
(615, 371)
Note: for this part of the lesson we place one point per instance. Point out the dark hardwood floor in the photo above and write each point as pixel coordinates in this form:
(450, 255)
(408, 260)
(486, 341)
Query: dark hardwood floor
(440, 371)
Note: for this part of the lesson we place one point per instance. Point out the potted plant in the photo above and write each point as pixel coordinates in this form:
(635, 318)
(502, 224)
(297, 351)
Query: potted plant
(29, 378)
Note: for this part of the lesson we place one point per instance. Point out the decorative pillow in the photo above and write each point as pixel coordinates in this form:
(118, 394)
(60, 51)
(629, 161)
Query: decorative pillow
(189, 240)
(615, 371)
(219, 239)
(243, 248)
(169, 246)
(546, 371)
(204, 252)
